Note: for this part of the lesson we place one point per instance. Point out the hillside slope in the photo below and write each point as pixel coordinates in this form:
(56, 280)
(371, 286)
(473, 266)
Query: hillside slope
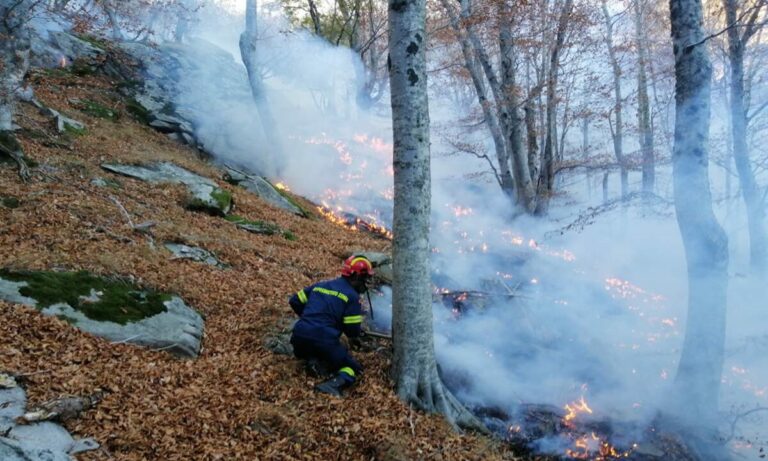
(238, 400)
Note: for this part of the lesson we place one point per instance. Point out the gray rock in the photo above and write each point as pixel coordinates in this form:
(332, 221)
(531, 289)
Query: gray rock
(263, 189)
(44, 441)
(181, 251)
(73, 47)
(9, 291)
(204, 193)
(178, 330)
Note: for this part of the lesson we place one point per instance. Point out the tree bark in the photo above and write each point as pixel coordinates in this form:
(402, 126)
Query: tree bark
(697, 382)
(643, 103)
(548, 164)
(618, 131)
(514, 123)
(758, 245)
(249, 54)
(470, 63)
(15, 46)
(414, 367)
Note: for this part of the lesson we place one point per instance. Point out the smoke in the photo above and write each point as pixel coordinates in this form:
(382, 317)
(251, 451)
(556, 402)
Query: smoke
(598, 312)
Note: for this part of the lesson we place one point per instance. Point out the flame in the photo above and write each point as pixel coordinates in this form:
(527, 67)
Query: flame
(63, 61)
(282, 186)
(592, 447)
(353, 223)
(574, 408)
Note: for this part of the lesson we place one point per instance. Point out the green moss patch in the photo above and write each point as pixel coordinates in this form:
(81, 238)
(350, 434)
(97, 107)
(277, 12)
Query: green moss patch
(97, 42)
(116, 301)
(261, 227)
(94, 109)
(304, 212)
(219, 203)
(10, 202)
(138, 111)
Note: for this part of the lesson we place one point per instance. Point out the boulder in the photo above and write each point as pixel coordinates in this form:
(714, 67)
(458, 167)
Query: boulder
(113, 310)
(262, 188)
(44, 441)
(181, 251)
(204, 194)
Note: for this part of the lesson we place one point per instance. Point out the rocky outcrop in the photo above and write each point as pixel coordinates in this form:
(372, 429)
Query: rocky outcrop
(113, 310)
(181, 251)
(43, 441)
(262, 188)
(204, 194)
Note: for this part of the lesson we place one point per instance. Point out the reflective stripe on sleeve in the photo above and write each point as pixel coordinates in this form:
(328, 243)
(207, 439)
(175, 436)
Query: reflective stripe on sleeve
(302, 296)
(328, 292)
(351, 319)
(348, 371)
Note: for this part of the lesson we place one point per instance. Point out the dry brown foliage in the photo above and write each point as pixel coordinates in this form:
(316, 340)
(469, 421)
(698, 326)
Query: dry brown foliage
(238, 400)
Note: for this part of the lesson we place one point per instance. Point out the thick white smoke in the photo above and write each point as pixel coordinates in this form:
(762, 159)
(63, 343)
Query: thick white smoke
(597, 313)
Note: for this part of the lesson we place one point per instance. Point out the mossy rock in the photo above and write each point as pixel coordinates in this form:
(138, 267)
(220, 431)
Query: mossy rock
(261, 227)
(209, 199)
(304, 212)
(97, 42)
(138, 111)
(73, 131)
(94, 109)
(10, 202)
(97, 298)
(83, 67)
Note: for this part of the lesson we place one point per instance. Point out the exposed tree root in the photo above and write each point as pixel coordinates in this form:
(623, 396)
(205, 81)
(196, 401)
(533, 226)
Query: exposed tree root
(426, 392)
(10, 146)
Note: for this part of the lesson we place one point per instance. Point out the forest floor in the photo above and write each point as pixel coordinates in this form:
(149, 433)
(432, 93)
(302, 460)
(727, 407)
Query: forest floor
(238, 400)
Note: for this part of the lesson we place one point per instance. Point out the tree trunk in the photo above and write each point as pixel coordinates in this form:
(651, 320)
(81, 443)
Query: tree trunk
(643, 103)
(514, 123)
(548, 166)
(758, 246)
(414, 367)
(530, 132)
(470, 63)
(618, 131)
(249, 54)
(697, 383)
(15, 46)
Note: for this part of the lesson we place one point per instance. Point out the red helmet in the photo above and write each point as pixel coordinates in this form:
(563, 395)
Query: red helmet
(357, 265)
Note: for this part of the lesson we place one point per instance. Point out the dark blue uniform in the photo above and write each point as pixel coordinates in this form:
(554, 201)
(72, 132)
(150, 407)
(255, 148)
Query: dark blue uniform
(327, 309)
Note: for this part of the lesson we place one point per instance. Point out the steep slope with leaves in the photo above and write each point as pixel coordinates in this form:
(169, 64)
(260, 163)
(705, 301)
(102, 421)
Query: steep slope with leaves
(238, 400)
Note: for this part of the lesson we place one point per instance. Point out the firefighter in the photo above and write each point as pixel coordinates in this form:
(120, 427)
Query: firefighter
(326, 310)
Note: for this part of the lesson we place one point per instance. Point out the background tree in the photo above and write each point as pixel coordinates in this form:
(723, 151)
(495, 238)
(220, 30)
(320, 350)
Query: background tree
(249, 53)
(743, 20)
(697, 382)
(14, 62)
(414, 367)
(644, 127)
(617, 127)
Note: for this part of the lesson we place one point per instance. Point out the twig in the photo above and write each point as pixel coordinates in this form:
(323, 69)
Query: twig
(164, 347)
(410, 420)
(377, 335)
(123, 341)
(741, 416)
(122, 210)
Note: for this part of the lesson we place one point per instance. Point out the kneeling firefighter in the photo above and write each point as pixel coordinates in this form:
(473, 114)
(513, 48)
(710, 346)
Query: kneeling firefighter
(326, 310)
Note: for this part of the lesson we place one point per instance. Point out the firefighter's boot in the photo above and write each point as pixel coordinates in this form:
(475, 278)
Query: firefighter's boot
(335, 385)
(317, 368)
